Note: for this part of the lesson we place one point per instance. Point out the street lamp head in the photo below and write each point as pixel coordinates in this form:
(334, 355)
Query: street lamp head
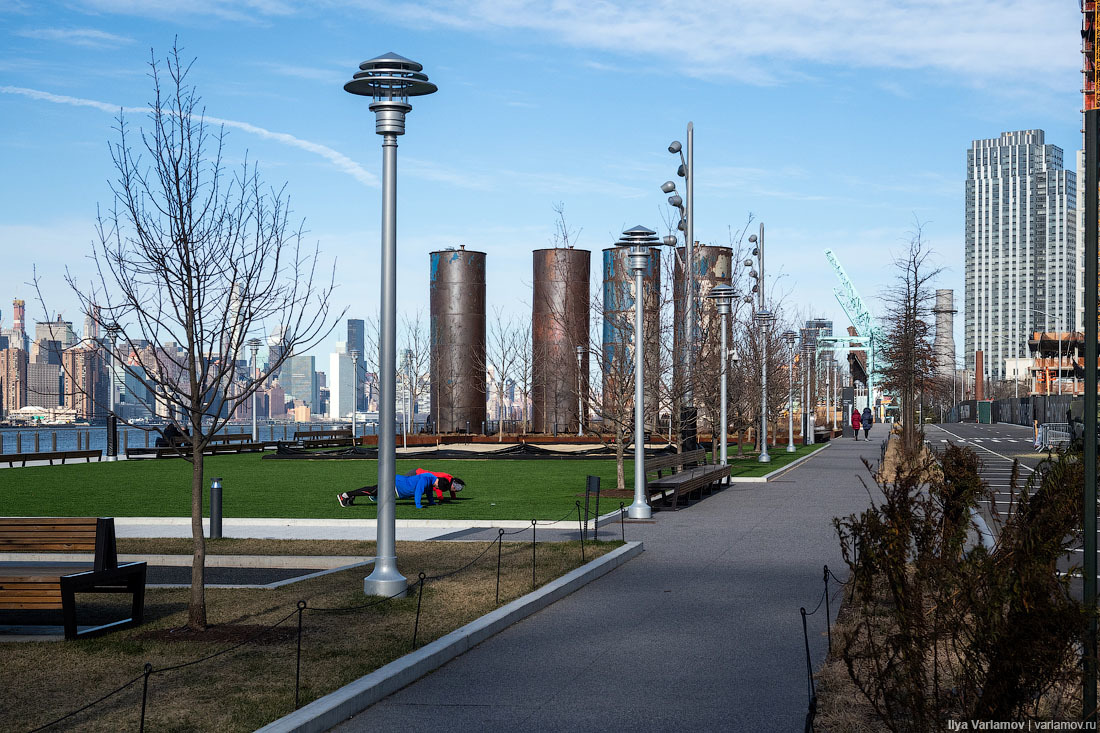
(789, 337)
(670, 241)
(668, 187)
(390, 77)
(682, 171)
(675, 147)
(253, 346)
(580, 351)
(722, 295)
(764, 316)
(639, 239)
(748, 299)
(675, 200)
(752, 238)
(748, 263)
(681, 226)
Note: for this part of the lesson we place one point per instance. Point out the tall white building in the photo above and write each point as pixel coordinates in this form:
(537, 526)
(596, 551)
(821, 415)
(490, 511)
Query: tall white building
(341, 383)
(1021, 246)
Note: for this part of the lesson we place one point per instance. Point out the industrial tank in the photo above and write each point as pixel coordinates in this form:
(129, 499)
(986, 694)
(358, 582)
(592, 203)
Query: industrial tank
(559, 324)
(457, 340)
(618, 333)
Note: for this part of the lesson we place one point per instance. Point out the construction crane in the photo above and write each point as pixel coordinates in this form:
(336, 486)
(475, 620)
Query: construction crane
(861, 320)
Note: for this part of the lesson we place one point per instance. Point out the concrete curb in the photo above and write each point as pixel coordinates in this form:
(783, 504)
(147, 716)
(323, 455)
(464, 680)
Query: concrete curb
(439, 524)
(336, 707)
(779, 471)
(295, 562)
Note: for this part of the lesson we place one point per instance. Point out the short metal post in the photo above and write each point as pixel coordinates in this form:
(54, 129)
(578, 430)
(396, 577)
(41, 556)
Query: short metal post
(144, 695)
(18, 442)
(622, 519)
(828, 623)
(298, 663)
(580, 528)
(533, 523)
(36, 448)
(216, 508)
(53, 437)
(500, 547)
(419, 598)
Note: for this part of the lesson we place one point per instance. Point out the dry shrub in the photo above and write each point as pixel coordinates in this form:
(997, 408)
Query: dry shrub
(942, 628)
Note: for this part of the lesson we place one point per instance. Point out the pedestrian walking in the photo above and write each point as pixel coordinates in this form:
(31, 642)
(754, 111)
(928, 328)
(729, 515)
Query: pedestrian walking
(866, 420)
(855, 423)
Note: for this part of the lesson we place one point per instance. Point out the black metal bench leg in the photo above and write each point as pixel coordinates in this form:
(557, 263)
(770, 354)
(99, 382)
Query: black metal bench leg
(68, 609)
(137, 587)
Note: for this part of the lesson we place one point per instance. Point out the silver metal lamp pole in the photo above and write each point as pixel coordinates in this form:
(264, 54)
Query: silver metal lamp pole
(354, 391)
(390, 80)
(580, 392)
(763, 317)
(254, 347)
(687, 226)
(723, 296)
(639, 239)
(112, 330)
(789, 338)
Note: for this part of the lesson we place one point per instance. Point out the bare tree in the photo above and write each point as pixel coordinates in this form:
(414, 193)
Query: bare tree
(414, 367)
(524, 371)
(191, 261)
(502, 358)
(907, 352)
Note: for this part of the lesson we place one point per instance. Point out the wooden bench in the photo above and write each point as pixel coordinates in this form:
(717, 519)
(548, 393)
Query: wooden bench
(51, 456)
(221, 443)
(689, 474)
(33, 586)
(323, 438)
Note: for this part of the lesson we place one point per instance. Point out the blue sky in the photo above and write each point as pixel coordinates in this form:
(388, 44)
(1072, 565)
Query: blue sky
(837, 123)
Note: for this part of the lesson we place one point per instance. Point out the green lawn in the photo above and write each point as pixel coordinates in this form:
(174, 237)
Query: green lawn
(750, 467)
(253, 487)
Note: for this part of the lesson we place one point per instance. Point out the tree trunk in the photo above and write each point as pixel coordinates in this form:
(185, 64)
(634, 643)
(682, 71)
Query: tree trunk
(196, 610)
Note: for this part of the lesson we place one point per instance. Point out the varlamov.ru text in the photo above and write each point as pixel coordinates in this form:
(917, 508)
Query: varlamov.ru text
(956, 725)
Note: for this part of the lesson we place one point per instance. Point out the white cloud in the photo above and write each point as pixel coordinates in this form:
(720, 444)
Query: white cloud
(337, 159)
(233, 10)
(88, 37)
(764, 42)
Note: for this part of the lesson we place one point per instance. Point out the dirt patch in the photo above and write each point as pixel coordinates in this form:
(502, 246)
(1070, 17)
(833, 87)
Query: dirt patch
(610, 494)
(222, 634)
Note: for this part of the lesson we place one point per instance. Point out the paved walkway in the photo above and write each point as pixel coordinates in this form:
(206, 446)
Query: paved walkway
(701, 632)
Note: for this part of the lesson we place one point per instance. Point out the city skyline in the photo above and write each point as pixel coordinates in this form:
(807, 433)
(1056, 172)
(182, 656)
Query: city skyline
(806, 137)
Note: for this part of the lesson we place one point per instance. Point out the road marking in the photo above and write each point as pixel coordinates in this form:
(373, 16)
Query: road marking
(987, 450)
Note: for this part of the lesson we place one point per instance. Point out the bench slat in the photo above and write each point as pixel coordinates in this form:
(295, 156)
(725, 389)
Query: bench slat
(89, 521)
(30, 605)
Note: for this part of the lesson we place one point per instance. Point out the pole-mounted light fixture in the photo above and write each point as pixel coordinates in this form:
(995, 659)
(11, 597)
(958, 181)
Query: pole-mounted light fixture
(389, 80)
(723, 296)
(639, 239)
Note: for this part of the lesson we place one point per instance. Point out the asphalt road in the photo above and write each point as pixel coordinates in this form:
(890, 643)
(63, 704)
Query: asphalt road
(998, 446)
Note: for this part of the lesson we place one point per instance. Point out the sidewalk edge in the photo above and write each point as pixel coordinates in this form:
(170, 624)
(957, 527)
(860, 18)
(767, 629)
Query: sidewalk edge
(779, 471)
(339, 705)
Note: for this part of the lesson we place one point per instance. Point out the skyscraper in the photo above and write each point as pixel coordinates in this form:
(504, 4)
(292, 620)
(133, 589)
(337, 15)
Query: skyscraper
(299, 379)
(1020, 248)
(356, 331)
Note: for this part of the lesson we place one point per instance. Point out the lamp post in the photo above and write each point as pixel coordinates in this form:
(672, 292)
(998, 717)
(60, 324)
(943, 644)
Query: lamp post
(639, 239)
(723, 296)
(390, 80)
(112, 329)
(355, 392)
(764, 317)
(835, 405)
(254, 347)
(687, 226)
(789, 338)
(580, 392)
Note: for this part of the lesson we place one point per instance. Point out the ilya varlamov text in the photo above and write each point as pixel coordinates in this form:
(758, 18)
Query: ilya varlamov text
(955, 725)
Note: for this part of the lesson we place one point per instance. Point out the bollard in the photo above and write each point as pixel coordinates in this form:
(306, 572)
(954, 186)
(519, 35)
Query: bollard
(146, 433)
(78, 440)
(36, 448)
(53, 441)
(216, 508)
(18, 442)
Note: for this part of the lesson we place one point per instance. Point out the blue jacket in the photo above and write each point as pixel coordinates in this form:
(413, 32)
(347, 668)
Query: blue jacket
(414, 487)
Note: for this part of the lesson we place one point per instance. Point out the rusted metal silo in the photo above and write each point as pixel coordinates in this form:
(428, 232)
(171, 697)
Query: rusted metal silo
(457, 342)
(618, 332)
(713, 266)
(559, 324)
